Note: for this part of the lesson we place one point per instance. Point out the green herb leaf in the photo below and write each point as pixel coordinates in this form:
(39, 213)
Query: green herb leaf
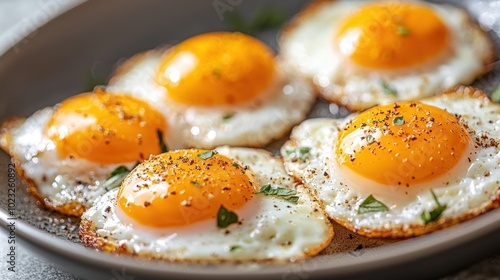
(91, 81)
(235, 248)
(163, 146)
(195, 183)
(287, 194)
(371, 204)
(207, 154)
(301, 153)
(225, 217)
(495, 95)
(369, 138)
(388, 89)
(399, 120)
(402, 30)
(119, 170)
(433, 215)
(236, 165)
(227, 116)
(265, 19)
(116, 177)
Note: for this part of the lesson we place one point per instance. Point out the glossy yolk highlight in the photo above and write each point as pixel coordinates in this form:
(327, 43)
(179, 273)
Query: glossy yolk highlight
(179, 188)
(402, 143)
(105, 128)
(392, 35)
(219, 68)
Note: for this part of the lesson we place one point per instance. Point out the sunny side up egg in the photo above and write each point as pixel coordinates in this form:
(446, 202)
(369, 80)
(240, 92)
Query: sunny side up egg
(65, 153)
(222, 205)
(217, 88)
(403, 169)
(359, 54)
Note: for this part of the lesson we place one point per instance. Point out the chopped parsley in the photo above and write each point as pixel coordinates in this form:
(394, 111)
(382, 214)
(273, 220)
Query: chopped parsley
(388, 89)
(195, 183)
(402, 30)
(284, 193)
(301, 153)
(227, 116)
(265, 19)
(91, 82)
(369, 139)
(163, 146)
(371, 204)
(225, 217)
(207, 154)
(399, 120)
(116, 177)
(433, 215)
(495, 95)
(234, 248)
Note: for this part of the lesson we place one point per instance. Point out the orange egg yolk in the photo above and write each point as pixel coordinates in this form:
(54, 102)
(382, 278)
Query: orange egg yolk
(402, 143)
(219, 68)
(180, 188)
(105, 128)
(392, 35)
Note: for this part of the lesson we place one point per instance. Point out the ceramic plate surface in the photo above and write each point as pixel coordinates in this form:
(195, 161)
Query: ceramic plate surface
(86, 42)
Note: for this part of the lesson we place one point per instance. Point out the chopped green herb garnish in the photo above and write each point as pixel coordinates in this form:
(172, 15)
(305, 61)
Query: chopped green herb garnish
(207, 154)
(91, 82)
(388, 89)
(216, 73)
(236, 165)
(371, 204)
(234, 248)
(402, 30)
(163, 146)
(495, 95)
(265, 19)
(227, 116)
(301, 153)
(116, 177)
(433, 215)
(225, 217)
(195, 183)
(370, 139)
(399, 120)
(119, 170)
(287, 194)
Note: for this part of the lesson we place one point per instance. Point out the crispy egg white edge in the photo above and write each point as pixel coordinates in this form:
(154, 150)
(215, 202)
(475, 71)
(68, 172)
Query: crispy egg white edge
(463, 196)
(356, 91)
(289, 101)
(58, 182)
(308, 232)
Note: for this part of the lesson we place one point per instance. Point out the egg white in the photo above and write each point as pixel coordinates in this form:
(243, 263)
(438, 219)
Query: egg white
(270, 228)
(466, 193)
(306, 47)
(67, 185)
(254, 124)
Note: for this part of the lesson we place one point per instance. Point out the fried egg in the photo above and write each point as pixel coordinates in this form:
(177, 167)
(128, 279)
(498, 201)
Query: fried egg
(359, 54)
(217, 88)
(65, 153)
(223, 205)
(403, 169)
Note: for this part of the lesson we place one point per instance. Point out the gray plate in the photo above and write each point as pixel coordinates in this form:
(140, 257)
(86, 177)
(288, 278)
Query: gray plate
(56, 62)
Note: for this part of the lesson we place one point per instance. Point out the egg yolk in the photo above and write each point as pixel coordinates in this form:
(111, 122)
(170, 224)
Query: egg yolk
(219, 68)
(392, 35)
(105, 128)
(402, 143)
(180, 188)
